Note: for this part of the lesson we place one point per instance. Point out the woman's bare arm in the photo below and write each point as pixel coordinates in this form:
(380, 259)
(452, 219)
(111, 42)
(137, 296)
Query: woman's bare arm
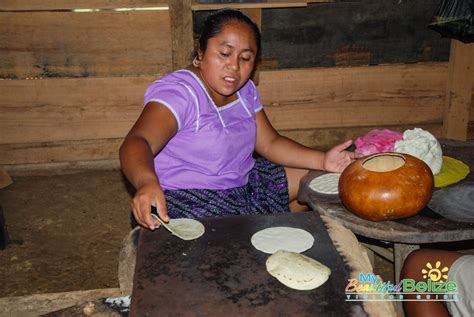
(153, 129)
(289, 153)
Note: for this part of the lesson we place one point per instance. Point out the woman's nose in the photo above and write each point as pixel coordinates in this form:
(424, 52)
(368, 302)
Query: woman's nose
(233, 64)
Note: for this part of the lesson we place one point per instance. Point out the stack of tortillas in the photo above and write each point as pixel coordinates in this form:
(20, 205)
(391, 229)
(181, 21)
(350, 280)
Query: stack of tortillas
(286, 264)
(326, 184)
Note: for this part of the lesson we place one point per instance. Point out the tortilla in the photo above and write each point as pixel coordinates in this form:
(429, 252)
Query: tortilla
(186, 229)
(452, 171)
(183, 228)
(297, 271)
(273, 239)
(326, 183)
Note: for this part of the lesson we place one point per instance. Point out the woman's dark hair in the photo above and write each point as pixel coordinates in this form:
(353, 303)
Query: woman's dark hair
(213, 24)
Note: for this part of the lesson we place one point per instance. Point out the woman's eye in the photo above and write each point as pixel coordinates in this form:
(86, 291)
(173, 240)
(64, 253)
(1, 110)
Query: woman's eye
(224, 54)
(245, 58)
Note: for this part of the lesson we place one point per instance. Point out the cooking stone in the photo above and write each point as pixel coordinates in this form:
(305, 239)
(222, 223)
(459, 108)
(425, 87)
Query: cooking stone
(455, 203)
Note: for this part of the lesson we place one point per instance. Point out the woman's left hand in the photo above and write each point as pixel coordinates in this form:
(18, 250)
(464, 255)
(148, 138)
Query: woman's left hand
(337, 158)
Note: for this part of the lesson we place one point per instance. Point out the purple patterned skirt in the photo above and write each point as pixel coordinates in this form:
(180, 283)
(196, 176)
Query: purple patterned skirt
(265, 193)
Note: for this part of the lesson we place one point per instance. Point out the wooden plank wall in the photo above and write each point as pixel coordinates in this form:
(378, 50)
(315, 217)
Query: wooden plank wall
(459, 91)
(83, 120)
(40, 44)
(74, 81)
(73, 85)
(328, 105)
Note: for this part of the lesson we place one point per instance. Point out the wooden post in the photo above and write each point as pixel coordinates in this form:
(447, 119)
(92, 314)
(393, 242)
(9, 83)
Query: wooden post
(256, 16)
(4, 237)
(182, 45)
(401, 251)
(459, 91)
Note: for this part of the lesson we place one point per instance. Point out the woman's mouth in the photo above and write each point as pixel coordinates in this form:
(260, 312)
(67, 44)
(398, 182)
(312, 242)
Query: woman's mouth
(230, 80)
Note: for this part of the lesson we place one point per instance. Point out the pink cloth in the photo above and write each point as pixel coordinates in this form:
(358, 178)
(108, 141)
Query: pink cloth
(377, 141)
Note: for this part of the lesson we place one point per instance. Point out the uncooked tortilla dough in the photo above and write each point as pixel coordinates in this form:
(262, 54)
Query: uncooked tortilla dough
(326, 183)
(297, 271)
(423, 145)
(290, 239)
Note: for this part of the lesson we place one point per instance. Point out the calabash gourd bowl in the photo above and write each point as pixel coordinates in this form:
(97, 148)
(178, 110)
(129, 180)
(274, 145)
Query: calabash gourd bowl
(386, 186)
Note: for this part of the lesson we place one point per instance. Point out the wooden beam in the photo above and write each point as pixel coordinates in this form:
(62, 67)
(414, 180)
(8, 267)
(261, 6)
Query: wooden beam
(470, 132)
(61, 151)
(386, 253)
(60, 5)
(354, 96)
(471, 109)
(182, 43)
(196, 6)
(5, 180)
(352, 114)
(325, 138)
(95, 44)
(39, 304)
(414, 83)
(459, 90)
(401, 252)
(52, 110)
(256, 16)
(61, 168)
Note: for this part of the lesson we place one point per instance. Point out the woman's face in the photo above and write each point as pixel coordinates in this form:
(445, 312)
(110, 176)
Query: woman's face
(228, 60)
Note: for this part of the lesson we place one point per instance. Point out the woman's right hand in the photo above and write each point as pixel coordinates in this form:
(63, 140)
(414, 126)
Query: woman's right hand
(150, 194)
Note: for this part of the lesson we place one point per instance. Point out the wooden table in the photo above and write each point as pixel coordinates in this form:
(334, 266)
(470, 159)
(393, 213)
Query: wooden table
(405, 234)
(222, 274)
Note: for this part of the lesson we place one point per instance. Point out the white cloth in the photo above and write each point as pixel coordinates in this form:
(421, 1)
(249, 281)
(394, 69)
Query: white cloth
(462, 272)
(423, 145)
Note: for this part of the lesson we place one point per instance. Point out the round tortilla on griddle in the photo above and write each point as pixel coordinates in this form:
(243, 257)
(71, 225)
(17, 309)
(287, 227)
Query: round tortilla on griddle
(290, 239)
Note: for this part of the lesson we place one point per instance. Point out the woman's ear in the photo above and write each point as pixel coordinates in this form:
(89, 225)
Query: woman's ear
(199, 54)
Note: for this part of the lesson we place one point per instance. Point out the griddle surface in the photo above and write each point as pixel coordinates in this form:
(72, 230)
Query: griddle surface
(222, 274)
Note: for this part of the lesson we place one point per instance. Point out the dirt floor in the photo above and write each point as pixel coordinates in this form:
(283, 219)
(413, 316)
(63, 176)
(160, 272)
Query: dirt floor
(66, 233)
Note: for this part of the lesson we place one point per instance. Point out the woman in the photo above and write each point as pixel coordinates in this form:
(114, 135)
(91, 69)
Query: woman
(190, 153)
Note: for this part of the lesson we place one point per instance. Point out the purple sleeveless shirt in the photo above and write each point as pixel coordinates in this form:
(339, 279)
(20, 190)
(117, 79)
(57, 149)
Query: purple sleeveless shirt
(213, 146)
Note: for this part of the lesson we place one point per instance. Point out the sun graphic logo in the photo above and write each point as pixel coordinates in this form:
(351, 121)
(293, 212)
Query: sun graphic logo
(435, 273)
